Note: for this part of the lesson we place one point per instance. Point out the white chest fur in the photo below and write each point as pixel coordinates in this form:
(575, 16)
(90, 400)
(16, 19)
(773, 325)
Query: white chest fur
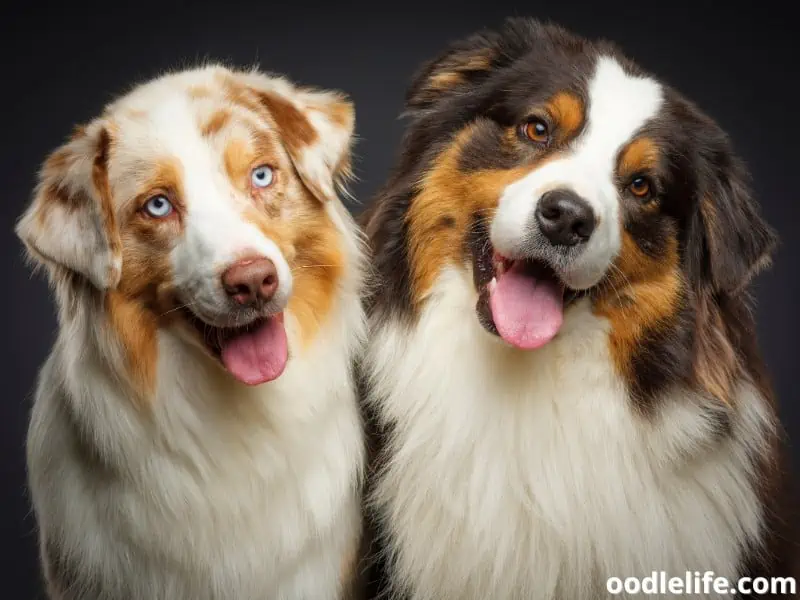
(223, 492)
(527, 476)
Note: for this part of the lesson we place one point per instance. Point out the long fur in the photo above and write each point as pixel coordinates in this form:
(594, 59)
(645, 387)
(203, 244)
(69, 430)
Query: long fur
(644, 437)
(210, 489)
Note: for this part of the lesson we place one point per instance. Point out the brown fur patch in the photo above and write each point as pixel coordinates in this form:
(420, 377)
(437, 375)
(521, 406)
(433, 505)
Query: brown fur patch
(567, 110)
(136, 329)
(640, 295)
(106, 205)
(295, 129)
(215, 123)
(166, 174)
(136, 308)
(238, 157)
(318, 266)
(641, 155)
(241, 156)
(716, 363)
(310, 243)
(452, 197)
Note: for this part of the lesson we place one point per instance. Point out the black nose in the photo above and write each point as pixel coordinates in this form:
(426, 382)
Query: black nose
(565, 218)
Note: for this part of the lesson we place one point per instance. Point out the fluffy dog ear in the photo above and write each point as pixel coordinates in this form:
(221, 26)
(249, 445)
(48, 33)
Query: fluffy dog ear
(470, 61)
(316, 128)
(464, 63)
(729, 241)
(70, 223)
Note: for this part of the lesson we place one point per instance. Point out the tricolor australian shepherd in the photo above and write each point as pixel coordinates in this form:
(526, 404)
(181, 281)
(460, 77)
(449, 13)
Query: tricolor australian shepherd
(195, 433)
(562, 367)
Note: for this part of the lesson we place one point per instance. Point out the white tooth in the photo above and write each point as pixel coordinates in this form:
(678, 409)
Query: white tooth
(492, 285)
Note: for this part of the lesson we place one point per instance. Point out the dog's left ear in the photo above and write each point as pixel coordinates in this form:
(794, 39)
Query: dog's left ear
(729, 239)
(316, 128)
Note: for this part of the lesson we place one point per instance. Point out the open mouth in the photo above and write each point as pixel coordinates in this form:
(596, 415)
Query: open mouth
(522, 301)
(254, 353)
(526, 300)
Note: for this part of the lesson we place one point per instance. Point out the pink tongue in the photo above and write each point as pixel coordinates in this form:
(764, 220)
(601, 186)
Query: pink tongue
(257, 356)
(527, 312)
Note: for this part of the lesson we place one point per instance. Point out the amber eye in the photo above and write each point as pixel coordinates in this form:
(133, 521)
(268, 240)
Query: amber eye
(640, 187)
(537, 131)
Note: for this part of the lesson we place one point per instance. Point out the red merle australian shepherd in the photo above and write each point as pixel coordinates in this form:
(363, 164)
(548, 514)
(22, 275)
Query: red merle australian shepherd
(562, 369)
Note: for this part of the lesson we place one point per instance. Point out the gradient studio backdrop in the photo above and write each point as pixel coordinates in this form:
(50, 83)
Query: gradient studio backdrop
(61, 64)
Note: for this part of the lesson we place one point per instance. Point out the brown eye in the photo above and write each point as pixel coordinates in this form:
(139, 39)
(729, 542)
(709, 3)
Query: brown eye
(640, 187)
(537, 131)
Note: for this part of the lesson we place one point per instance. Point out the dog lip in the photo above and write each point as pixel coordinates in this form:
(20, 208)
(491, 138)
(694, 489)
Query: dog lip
(213, 336)
(488, 265)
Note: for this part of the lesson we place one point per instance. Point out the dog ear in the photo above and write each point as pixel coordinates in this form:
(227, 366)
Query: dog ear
(730, 241)
(316, 128)
(470, 61)
(70, 222)
(464, 63)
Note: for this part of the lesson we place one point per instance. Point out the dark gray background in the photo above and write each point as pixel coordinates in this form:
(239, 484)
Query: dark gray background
(61, 64)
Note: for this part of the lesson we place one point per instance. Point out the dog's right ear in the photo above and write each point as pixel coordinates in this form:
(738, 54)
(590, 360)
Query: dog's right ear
(469, 61)
(462, 64)
(70, 223)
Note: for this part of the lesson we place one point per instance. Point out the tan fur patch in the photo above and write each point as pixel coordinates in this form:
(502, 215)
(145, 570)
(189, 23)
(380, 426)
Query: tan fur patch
(639, 295)
(567, 110)
(136, 307)
(136, 329)
(641, 155)
(716, 364)
(215, 123)
(440, 216)
(238, 157)
(453, 73)
(340, 113)
(317, 268)
(445, 81)
(199, 91)
(310, 243)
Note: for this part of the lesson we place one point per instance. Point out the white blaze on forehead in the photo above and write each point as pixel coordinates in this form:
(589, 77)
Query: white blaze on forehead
(619, 104)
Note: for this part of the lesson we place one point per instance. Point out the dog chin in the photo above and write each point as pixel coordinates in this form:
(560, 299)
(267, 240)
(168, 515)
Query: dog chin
(252, 352)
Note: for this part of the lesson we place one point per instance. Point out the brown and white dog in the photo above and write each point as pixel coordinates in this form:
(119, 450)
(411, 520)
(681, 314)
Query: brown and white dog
(197, 248)
(561, 364)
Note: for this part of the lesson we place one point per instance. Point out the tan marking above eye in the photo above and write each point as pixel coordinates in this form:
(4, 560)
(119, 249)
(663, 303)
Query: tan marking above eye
(641, 155)
(566, 110)
(215, 123)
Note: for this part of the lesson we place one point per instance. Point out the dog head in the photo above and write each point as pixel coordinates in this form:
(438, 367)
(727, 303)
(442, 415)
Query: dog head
(552, 168)
(199, 201)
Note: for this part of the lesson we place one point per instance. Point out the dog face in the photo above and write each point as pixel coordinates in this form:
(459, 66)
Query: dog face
(550, 168)
(198, 201)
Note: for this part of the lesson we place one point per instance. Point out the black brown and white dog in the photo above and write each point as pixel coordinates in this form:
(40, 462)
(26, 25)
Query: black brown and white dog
(562, 365)
(195, 433)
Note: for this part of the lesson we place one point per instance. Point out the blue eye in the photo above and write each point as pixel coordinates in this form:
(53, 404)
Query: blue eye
(262, 176)
(158, 207)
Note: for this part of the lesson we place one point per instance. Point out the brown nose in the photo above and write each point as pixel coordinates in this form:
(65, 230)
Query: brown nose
(251, 280)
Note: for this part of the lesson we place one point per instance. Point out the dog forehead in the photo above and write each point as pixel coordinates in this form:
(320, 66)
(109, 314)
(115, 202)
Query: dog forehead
(619, 104)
